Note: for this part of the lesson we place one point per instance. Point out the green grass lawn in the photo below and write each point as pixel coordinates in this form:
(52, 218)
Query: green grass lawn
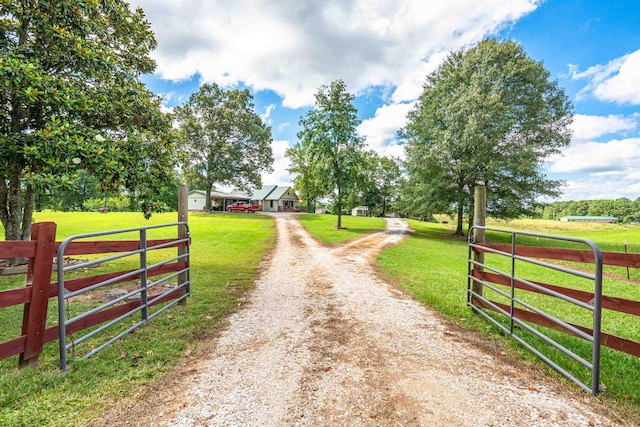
(323, 227)
(431, 265)
(225, 254)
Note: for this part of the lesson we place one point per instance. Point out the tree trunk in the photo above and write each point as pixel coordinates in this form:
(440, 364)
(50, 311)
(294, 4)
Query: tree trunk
(16, 219)
(207, 197)
(460, 213)
(339, 206)
(27, 212)
(13, 206)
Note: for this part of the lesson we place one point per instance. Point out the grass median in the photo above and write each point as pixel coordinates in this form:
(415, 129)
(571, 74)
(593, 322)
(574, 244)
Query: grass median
(323, 227)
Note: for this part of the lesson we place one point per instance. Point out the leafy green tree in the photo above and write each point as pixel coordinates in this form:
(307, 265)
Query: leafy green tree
(488, 115)
(71, 99)
(224, 140)
(307, 178)
(379, 181)
(329, 132)
(72, 197)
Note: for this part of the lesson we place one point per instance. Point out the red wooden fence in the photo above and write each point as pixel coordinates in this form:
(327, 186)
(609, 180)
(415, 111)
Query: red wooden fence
(39, 287)
(610, 303)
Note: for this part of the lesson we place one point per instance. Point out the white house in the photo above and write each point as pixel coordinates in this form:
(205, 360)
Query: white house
(360, 211)
(219, 199)
(272, 198)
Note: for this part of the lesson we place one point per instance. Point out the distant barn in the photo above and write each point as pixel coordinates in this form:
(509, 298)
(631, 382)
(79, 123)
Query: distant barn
(601, 219)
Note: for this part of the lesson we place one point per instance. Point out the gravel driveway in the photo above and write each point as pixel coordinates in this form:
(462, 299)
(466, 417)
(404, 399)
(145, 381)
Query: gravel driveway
(323, 341)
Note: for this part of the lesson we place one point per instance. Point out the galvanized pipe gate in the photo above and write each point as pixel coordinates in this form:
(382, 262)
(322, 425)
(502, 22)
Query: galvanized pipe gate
(65, 295)
(476, 300)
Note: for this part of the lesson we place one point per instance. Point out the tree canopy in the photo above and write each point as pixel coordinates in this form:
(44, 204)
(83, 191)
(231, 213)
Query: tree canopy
(224, 141)
(624, 209)
(71, 99)
(329, 134)
(378, 182)
(488, 115)
(307, 178)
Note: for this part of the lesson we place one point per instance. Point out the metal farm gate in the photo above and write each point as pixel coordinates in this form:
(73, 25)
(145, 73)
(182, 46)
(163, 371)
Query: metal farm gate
(498, 290)
(138, 300)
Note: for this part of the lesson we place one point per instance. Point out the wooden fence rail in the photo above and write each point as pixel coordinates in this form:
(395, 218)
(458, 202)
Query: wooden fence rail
(608, 302)
(39, 288)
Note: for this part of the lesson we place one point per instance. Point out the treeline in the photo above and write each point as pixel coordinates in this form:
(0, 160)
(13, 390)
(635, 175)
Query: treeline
(85, 194)
(624, 209)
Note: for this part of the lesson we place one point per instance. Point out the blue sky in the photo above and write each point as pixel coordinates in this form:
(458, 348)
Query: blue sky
(283, 50)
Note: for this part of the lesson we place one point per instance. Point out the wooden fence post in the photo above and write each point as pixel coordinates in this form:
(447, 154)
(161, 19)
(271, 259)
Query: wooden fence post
(34, 320)
(183, 216)
(479, 219)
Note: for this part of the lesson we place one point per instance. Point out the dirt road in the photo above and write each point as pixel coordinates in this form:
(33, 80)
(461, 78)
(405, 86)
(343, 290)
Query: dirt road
(323, 341)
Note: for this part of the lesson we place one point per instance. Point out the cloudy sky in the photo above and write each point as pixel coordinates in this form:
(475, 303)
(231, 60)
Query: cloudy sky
(283, 50)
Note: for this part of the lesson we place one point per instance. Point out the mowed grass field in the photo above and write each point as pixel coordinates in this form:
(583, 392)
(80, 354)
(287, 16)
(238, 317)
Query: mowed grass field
(225, 255)
(323, 227)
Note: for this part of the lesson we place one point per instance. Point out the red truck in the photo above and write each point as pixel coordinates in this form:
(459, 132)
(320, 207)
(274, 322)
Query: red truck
(242, 207)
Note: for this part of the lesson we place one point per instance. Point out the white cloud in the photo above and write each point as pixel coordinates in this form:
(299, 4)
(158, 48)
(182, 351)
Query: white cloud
(617, 81)
(587, 127)
(280, 174)
(282, 126)
(617, 156)
(267, 112)
(292, 47)
(380, 131)
(594, 187)
(594, 170)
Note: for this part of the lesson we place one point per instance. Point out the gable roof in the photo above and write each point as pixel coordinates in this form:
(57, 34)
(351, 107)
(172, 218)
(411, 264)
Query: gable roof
(277, 193)
(262, 193)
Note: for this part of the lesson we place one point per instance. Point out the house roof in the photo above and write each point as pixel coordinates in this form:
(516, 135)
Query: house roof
(590, 217)
(220, 194)
(262, 193)
(238, 195)
(277, 193)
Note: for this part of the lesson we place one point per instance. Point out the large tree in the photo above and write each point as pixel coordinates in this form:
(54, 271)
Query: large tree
(379, 182)
(488, 115)
(70, 99)
(329, 132)
(307, 178)
(224, 140)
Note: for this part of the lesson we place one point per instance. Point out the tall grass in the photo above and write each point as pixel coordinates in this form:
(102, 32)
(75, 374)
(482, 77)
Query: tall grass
(226, 252)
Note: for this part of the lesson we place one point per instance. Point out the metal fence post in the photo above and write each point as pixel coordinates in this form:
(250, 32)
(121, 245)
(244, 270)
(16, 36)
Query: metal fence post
(183, 216)
(143, 274)
(34, 320)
